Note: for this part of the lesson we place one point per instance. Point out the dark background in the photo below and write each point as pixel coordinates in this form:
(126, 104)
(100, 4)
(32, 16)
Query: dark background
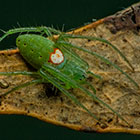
(71, 14)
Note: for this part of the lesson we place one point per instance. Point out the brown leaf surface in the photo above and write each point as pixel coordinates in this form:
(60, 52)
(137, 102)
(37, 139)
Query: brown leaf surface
(121, 29)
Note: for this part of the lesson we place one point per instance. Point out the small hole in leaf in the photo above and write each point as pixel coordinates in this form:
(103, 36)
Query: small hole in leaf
(110, 120)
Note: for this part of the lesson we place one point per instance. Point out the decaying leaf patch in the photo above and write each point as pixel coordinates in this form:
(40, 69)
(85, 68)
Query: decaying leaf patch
(44, 102)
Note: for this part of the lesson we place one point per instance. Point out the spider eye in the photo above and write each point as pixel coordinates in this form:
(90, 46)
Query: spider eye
(18, 40)
(24, 44)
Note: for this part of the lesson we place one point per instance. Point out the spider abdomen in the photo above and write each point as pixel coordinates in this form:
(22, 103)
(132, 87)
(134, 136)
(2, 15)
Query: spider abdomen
(35, 49)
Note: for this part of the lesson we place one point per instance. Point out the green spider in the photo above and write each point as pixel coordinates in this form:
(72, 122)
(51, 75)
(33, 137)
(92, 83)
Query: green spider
(57, 63)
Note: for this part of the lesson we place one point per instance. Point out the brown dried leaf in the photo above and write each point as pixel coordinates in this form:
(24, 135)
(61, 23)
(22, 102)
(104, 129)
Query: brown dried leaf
(121, 29)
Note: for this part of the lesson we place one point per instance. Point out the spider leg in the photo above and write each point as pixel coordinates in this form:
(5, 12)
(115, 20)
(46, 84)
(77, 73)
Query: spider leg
(100, 57)
(66, 79)
(22, 86)
(63, 36)
(48, 77)
(90, 85)
(47, 30)
(94, 75)
(81, 61)
(19, 73)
